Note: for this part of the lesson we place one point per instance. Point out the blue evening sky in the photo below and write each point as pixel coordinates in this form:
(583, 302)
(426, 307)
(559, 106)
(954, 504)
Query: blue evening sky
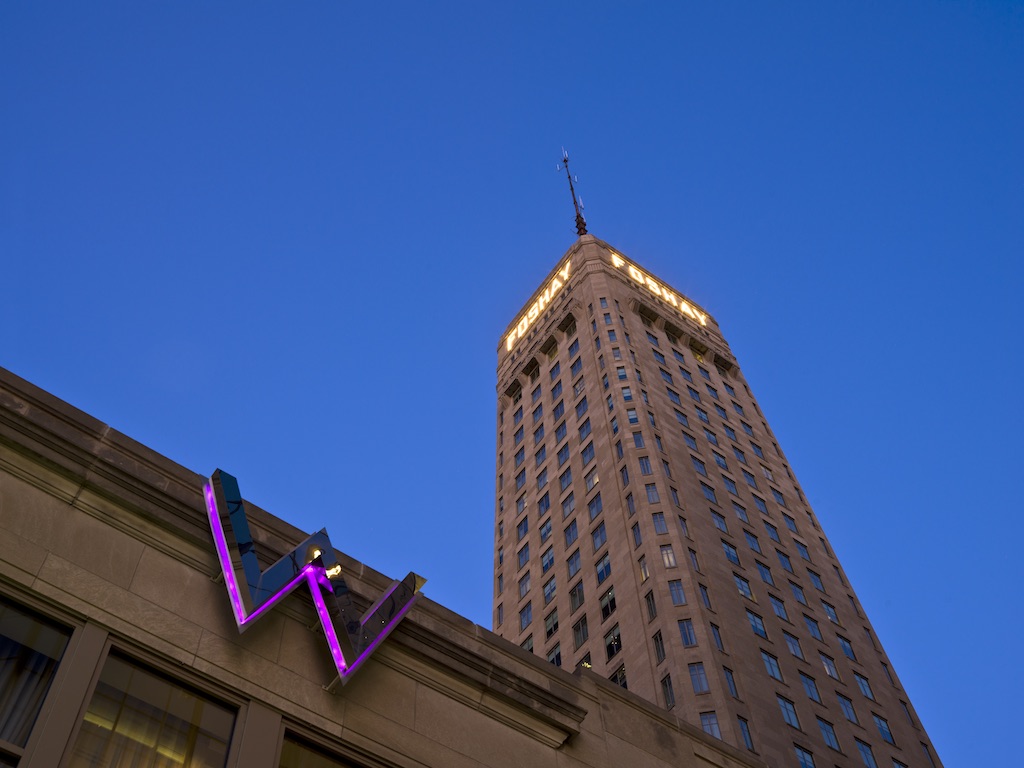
(284, 239)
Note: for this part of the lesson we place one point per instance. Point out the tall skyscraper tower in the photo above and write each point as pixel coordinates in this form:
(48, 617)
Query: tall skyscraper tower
(649, 527)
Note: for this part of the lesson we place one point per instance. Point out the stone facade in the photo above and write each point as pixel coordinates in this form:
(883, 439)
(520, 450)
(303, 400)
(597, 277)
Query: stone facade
(108, 543)
(649, 527)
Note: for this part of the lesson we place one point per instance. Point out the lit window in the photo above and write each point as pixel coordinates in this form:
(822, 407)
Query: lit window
(668, 557)
(196, 732)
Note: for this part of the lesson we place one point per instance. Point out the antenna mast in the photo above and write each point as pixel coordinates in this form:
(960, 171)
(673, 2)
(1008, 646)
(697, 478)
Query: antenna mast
(581, 223)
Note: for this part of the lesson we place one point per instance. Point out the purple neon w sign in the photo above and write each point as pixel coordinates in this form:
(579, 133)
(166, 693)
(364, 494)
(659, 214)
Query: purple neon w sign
(351, 637)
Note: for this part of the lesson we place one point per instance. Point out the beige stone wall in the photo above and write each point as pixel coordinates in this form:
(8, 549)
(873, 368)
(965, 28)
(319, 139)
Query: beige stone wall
(110, 538)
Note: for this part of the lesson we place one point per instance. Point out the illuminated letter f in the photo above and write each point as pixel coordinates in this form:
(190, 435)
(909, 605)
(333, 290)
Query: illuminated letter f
(351, 637)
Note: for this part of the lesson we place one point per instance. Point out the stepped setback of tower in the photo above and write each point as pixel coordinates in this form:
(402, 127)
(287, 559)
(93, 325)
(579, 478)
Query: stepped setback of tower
(649, 528)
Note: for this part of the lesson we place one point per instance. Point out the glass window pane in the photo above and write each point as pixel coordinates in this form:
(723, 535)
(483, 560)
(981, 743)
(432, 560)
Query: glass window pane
(31, 649)
(138, 718)
(297, 755)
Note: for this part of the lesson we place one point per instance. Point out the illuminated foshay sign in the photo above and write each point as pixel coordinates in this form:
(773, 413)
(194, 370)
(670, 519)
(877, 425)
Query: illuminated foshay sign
(534, 310)
(642, 278)
(350, 637)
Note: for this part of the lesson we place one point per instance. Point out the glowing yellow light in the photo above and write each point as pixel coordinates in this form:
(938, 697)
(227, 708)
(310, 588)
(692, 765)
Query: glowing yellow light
(535, 309)
(316, 553)
(638, 276)
(332, 572)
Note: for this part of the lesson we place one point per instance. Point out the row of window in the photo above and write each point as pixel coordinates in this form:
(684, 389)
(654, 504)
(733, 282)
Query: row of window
(134, 714)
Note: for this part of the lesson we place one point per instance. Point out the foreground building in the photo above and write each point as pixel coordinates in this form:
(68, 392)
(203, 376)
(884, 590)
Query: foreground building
(649, 527)
(121, 647)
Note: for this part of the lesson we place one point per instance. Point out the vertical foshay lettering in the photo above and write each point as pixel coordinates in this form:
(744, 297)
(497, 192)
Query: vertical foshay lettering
(537, 307)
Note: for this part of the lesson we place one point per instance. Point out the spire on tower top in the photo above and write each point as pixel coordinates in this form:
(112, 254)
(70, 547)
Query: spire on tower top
(581, 223)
